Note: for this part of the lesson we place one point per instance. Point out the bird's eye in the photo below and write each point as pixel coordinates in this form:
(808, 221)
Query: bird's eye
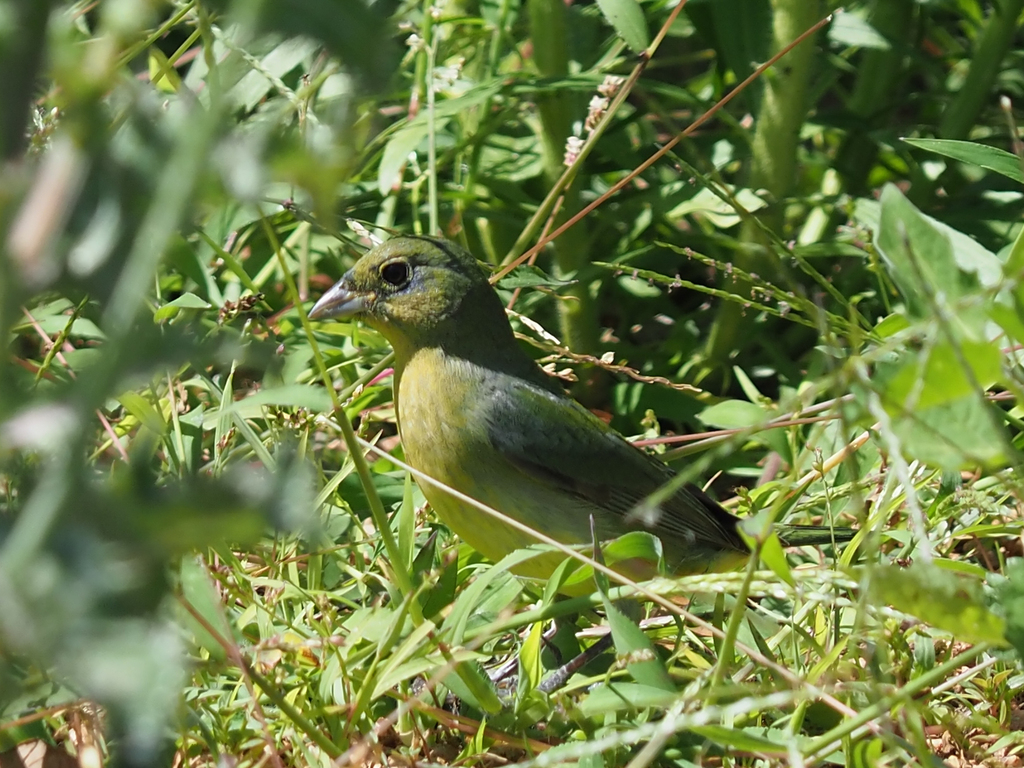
(395, 273)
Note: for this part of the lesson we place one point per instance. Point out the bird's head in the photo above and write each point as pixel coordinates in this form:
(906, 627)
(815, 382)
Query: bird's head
(413, 290)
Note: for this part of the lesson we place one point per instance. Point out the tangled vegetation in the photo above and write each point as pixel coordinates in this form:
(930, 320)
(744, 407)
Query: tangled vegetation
(780, 248)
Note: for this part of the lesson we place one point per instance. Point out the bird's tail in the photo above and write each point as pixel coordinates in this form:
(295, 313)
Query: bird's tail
(812, 535)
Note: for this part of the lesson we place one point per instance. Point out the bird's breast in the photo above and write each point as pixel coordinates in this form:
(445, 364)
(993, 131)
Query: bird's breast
(442, 413)
(438, 414)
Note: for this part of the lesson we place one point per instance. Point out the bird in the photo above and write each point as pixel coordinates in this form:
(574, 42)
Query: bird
(479, 415)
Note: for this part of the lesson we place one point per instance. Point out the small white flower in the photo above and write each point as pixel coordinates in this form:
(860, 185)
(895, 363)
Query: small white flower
(362, 231)
(610, 86)
(595, 111)
(573, 146)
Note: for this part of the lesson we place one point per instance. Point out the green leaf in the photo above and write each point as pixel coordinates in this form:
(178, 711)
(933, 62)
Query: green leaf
(919, 257)
(396, 154)
(774, 557)
(744, 739)
(943, 599)
(733, 414)
(471, 683)
(890, 325)
(635, 649)
(850, 29)
(529, 276)
(407, 523)
(627, 17)
(530, 668)
(635, 546)
(140, 408)
(991, 158)
(951, 436)
(940, 377)
(865, 753)
(198, 591)
(719, 212)
(1013, 268)
(185, 301)
(1010, 598)
(315, 399)
(358, 32)
(615, 697)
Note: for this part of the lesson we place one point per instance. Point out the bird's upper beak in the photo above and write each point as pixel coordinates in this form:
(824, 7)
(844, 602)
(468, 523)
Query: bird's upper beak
(340, 301)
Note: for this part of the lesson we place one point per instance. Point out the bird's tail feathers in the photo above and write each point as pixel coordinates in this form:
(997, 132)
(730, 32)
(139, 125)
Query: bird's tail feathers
(812, 535)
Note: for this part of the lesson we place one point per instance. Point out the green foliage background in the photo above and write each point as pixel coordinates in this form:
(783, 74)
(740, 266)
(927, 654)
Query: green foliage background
(825, 278)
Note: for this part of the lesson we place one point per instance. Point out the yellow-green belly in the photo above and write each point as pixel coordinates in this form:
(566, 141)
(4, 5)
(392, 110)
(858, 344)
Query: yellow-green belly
(442, 418)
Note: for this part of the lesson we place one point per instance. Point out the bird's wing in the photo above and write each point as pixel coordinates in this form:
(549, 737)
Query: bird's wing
(554, 440)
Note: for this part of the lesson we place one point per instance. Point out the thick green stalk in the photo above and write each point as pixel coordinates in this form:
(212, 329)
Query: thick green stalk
(548, 30)
(773, 156)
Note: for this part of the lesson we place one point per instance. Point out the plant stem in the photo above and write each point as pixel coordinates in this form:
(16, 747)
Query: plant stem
(773, 156)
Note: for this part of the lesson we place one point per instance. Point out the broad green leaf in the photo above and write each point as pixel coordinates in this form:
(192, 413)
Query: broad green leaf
(471, 683)
(530, 668)
(282, 59)
(140, 408)
(198, 591)
(627, 17)
(745, 739)
(850, 29)
(1010, 598)
(395, 667)
(1012, 322)
(953, 436)
(919, 257)
(718, 211)
(468, 602)
(961, 566)
(634, 648)
(940, 378)
(774, 557)
(616, 696)
(946, 600)
(890, 325)
(992, 158)
(185, 301)
(529, 276)
(1014, 265)
(972, 257)
(315, 399)
(357, 32)
(635, 546)
(865, 753)
(754, 530)
(406, 519)
(733, 414)
(396, 154)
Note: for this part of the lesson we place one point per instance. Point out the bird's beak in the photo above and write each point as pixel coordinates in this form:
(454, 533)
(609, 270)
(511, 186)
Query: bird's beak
(340, 301)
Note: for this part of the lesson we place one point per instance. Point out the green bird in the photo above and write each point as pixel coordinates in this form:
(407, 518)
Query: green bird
(476, 413)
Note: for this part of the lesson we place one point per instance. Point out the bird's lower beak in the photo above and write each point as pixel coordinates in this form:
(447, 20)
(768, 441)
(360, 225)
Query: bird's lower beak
(340, 301)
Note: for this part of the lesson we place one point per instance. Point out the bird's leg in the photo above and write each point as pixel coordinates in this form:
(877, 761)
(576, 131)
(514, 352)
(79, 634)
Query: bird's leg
(506, 668)
(561, 676)
(551, 647)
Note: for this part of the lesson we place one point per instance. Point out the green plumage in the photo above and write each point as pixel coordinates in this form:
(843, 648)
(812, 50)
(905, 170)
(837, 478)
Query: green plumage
(478, 415)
